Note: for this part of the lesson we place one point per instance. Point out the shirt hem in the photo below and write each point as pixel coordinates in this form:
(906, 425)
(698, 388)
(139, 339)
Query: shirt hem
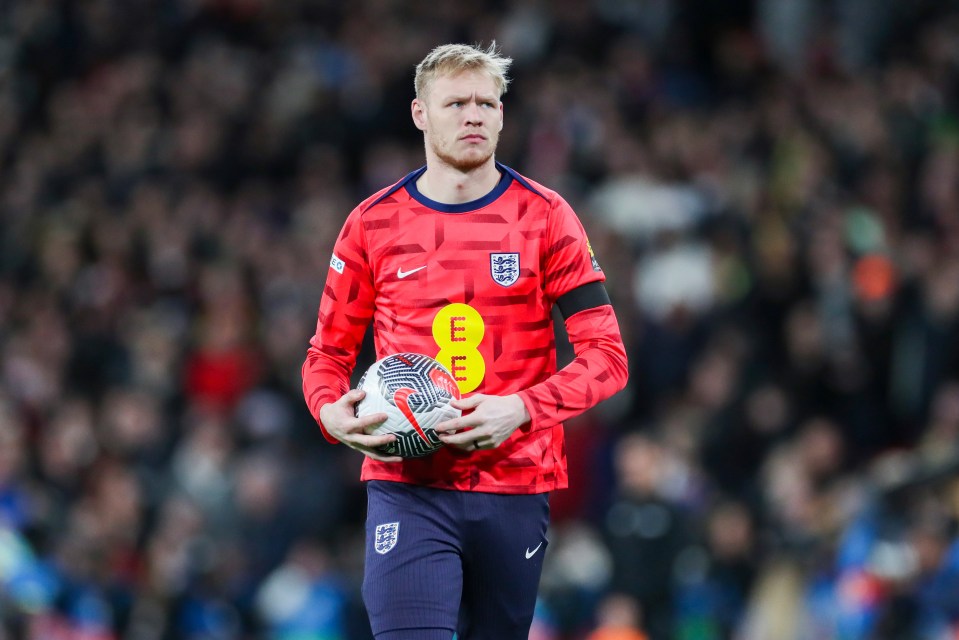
(480, 488)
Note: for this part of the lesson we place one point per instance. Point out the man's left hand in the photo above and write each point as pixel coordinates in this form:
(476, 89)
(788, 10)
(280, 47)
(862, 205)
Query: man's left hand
(490, 421)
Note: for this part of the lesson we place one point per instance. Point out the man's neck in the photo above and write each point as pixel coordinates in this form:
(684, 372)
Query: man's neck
(445, 184)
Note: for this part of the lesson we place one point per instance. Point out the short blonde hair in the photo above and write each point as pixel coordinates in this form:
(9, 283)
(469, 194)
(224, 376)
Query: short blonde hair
(450, 59)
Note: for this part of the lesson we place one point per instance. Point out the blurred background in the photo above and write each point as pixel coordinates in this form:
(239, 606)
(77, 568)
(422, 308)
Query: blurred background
(771, 186)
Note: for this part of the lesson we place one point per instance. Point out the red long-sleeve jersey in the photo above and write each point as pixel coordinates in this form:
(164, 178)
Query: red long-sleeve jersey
(472, 285)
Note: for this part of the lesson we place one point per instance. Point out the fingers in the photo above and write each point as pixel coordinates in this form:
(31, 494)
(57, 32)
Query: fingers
(449, 427)
(378, 455)
(465, 421)
(353, 396)
(469, 440)
(476, 444)
(370, 446)
(371, 441)
(462, 432)
(368, 422)
(343, 425)
(468, 403)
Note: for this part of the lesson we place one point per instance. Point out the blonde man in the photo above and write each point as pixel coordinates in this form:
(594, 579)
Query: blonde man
(463, 260)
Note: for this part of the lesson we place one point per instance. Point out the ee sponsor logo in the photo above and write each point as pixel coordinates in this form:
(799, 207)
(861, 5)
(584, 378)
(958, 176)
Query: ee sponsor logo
(458, 330)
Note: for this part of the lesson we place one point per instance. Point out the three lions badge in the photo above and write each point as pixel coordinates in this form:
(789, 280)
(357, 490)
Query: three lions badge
(504, 267)
(385, 536)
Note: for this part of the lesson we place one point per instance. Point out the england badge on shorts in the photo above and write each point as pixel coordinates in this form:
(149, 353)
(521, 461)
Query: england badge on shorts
(504, 267)
(384, 538)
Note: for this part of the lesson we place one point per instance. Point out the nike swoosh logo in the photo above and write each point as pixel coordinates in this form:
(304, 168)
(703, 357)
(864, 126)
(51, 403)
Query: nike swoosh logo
(402, 274)
(530, 554)
(401, 399)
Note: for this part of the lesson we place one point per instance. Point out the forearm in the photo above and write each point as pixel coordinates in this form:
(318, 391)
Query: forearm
(325, 380)
(332, 354)
(598, 371)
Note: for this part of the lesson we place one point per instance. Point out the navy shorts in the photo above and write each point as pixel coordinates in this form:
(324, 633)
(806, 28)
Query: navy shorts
(455, 560)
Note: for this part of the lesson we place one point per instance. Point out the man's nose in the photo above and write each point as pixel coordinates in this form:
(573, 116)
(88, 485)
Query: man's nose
(473, 113)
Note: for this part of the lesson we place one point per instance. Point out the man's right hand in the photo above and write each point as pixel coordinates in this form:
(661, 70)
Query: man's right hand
(340, 421)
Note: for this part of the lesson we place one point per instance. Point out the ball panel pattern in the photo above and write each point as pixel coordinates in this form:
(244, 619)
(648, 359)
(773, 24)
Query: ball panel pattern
(415, 392)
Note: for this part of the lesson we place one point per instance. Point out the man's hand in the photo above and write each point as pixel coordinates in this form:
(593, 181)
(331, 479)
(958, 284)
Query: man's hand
(340, 421)
(492, 420)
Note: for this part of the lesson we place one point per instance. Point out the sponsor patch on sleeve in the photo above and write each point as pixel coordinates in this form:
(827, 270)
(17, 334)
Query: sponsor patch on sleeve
(338, 265)
(592, 257)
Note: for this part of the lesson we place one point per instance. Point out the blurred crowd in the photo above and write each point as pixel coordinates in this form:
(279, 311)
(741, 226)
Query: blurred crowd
(771, 186)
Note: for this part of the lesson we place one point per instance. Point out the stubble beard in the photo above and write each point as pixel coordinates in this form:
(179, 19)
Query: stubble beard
(465, 162)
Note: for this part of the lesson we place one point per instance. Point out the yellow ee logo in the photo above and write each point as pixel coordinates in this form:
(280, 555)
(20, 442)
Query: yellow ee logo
(458, 330)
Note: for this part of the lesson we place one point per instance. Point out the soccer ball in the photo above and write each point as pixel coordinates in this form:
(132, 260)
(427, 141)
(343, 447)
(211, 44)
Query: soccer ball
(415, 392)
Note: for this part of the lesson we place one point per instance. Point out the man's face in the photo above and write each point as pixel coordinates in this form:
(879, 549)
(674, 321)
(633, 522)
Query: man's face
(461, 116)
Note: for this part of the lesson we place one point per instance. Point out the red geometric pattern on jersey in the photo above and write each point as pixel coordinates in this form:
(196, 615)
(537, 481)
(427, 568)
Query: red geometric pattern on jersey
(392, 234)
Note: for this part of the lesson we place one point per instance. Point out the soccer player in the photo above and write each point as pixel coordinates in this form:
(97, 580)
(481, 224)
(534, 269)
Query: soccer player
(463, 260)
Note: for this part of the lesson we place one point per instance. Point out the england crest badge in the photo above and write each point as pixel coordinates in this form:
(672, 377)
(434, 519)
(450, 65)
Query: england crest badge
(504, 267)
(385, 536)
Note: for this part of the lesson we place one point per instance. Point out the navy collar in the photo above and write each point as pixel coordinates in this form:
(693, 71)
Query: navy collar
(463, 207)
(507, 176)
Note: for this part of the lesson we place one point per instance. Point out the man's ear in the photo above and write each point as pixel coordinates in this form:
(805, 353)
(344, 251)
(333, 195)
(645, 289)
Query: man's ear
(502, 119)
(418, 111)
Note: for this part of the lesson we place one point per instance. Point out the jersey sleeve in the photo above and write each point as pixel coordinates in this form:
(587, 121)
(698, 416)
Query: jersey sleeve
(599, 368)
(569, 260)
(346, 307)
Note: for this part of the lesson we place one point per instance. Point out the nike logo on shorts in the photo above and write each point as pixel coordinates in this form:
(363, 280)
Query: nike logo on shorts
(402, 274)
(530, 554)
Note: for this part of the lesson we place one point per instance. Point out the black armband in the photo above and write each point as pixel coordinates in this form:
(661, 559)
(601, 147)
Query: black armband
(587, 296)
